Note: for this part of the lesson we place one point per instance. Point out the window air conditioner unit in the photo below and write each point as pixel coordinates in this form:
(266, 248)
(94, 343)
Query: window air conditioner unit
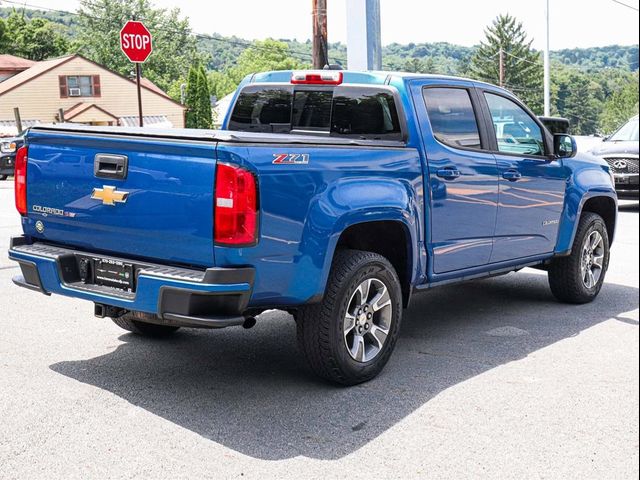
(74, 92)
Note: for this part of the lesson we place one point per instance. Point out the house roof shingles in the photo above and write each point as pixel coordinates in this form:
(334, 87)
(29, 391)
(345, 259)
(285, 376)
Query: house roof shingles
(37, 69)
(12, 63)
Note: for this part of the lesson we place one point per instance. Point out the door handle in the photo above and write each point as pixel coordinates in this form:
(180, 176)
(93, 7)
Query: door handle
(512, 175)
(448, 173)
(110, 166)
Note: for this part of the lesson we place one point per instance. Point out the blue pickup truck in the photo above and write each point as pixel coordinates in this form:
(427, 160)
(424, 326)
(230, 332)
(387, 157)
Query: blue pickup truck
(332, 195)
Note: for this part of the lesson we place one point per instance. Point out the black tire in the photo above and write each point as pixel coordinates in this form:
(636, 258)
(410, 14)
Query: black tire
(131, 323)
(565, 273)
(3, 177)
(321, 327)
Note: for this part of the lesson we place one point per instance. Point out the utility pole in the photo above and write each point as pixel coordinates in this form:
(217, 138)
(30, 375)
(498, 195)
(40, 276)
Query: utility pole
(364, 45)
(547, 73)
(16, 114)
(501, 68)
(320, 45)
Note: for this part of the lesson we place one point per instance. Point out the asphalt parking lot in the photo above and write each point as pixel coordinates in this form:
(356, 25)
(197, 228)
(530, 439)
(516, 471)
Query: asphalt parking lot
(490, 379)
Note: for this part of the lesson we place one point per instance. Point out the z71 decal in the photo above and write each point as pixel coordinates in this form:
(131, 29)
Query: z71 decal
(290, 158)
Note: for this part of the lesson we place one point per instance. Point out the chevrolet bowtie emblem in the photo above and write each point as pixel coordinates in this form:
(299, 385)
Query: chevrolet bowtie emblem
(109, 195)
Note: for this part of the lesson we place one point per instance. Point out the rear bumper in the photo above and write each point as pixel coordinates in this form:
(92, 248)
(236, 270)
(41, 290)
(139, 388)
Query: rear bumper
(214, 298)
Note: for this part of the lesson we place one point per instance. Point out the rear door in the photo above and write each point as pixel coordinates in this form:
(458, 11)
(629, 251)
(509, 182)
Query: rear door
(532, 185)
(461, 176)
(150, 198)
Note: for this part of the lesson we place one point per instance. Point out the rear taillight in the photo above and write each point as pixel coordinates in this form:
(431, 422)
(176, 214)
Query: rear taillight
(20, 177)
(236, 206)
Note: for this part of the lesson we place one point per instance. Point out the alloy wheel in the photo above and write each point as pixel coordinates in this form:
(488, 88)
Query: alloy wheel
(368, 320)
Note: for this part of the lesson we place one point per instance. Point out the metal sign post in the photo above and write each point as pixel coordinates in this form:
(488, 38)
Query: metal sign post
(136, 43)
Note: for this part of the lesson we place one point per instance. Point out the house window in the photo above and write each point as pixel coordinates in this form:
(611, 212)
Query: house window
(79, 86)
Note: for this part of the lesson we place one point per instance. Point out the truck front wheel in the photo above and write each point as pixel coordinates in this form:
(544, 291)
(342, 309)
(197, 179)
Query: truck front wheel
(349, 336)
(578, 277)
(132, 323)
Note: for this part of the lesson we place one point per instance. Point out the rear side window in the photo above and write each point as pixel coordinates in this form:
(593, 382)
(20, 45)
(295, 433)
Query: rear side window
(264, 110)
(368, 113)
(452, 117)
(365, 113)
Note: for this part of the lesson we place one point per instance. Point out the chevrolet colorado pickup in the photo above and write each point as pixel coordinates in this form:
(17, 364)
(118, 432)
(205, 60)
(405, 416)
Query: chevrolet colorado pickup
(333, 195)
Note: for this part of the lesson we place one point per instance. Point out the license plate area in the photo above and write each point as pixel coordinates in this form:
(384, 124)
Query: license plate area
(107, 272)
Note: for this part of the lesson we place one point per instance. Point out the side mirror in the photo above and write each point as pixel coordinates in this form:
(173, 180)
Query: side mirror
(564, 146)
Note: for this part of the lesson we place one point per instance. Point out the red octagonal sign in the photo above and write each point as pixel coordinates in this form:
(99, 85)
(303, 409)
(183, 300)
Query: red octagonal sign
(135, 41)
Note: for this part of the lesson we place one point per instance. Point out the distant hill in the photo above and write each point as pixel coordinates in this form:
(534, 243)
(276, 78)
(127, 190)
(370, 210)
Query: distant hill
(441, 57)
(62, 18)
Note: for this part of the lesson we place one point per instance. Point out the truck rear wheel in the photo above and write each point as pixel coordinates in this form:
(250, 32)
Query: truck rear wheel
(578, 278)
(349, 337)
(131, 323)
(3, 177)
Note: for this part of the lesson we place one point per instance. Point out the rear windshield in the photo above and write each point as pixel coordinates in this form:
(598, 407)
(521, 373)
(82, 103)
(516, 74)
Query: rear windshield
(368, 113)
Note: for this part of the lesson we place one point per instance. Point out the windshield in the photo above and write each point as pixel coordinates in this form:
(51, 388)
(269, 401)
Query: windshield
(627, 133)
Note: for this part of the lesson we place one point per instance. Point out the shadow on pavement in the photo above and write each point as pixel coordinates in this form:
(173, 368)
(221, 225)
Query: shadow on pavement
(250, 392)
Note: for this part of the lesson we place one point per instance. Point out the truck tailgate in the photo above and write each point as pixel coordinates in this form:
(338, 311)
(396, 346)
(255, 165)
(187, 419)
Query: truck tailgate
(161, 210)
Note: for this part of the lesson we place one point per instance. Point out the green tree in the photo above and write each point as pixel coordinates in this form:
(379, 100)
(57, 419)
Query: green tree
(203, 100)
(41, 39)
(522, 65)
(417, 65)
(191, 98)
(221, 84)
(36, 39)
(198, 98)
(622, 105)
(4, 39)
(98, 38)
(261, 56)
(577, 96)
(581, 106)
(413, 65)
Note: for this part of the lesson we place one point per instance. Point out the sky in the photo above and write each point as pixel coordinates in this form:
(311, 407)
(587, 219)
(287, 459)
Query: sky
(574, 23)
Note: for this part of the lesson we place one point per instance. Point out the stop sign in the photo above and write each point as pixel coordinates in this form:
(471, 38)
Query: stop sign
(135, 41)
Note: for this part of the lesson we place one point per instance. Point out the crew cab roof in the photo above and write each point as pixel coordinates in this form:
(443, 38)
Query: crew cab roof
(362, 78)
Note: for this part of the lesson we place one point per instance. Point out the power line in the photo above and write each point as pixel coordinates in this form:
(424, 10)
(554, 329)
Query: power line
(300, 54)
(521, 58)
(204, 36)
(626, 5)
(581, 67)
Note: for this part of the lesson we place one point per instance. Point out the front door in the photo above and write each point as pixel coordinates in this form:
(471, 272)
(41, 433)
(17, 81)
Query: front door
(532, 186)
(461, 175)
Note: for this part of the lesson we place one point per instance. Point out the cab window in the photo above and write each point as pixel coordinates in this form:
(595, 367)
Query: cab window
(516, 132)
(452, 117)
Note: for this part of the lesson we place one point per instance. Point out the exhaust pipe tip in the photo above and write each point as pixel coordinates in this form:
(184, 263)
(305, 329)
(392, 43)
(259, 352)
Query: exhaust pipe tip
(249, 322)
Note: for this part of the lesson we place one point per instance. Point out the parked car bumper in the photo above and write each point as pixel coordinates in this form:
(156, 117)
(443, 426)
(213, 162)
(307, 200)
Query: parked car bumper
(214, 298)
(7, 164)
(627, 185)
